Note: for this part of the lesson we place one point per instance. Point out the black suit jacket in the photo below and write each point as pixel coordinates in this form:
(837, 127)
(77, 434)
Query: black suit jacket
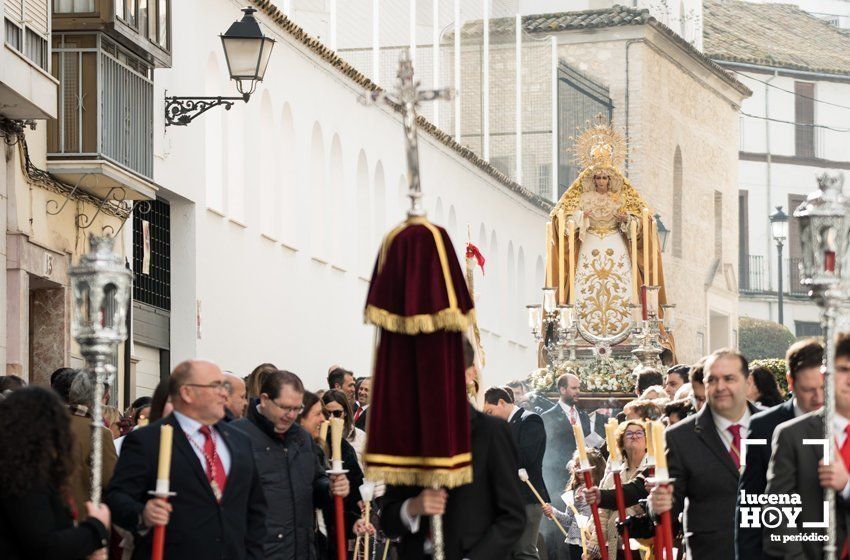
(793, 469)
(199, 527)
(705, 474)
(530, 438)
(483, 519)
(754, 477)
(560, 446)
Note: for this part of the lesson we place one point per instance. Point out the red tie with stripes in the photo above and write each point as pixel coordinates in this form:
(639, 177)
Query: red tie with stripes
(216, 475)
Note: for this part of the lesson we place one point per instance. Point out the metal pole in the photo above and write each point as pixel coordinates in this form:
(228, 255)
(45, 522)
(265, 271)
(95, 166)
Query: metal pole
(518, 177)
(457, 70)
(435, 53)
(555, 163)
(779, 271)
(413, 33)
(485, 85)
(828, 322)
(376, 42)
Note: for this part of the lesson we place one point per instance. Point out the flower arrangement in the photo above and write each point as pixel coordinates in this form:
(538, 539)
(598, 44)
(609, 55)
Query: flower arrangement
(603, 374)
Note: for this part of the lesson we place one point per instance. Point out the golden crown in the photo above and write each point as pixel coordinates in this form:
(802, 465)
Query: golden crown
(599, 145)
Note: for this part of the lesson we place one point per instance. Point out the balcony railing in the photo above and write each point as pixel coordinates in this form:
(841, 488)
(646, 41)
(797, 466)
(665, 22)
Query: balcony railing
(105, 103)
(753, 276)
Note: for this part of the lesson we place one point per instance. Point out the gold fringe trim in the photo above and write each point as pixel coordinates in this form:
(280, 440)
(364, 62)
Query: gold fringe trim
(428, 478)
(418, 461)
(452, 320)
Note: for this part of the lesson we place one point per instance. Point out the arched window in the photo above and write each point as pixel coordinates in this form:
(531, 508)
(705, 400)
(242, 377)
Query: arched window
(677, 203)
(291, 224)
(336, 198)
(367, 249)
(317, 193)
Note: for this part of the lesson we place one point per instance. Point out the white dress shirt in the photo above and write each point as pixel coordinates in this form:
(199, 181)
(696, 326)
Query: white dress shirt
(722, 425)
(517, 410)
(566, 408)
(192, 429)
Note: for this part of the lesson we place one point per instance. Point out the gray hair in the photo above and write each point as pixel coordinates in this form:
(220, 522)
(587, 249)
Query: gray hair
(82, 390)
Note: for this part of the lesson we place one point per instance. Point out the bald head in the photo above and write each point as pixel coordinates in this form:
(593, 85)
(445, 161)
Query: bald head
(569, 387)
(237, 400)
(199, 391)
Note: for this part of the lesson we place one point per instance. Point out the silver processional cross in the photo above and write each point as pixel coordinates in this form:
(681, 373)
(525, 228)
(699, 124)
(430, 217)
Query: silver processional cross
(407, 97)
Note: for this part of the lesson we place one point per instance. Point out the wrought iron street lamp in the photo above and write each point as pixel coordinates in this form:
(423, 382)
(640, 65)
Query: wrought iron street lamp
(663, 232)
(100, 284)
(247, 52)
(779, 231)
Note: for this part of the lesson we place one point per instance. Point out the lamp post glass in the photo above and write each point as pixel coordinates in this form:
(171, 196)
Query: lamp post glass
(779, 225)
(247, 52)
(663, 232)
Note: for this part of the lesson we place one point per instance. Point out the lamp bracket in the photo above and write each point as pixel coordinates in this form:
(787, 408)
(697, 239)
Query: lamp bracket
(180, 111)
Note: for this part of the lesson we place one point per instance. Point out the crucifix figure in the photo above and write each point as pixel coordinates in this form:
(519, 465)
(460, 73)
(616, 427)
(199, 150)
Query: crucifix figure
(407, 98)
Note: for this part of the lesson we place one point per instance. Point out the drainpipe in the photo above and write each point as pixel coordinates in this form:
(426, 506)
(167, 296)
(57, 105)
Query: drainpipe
(769, 177)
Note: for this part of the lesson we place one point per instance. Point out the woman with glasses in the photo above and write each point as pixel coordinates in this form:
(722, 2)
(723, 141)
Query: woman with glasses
(631, 441)
(336, 405)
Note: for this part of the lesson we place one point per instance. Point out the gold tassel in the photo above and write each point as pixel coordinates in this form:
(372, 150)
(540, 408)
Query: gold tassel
(445, 320)
(430, 478)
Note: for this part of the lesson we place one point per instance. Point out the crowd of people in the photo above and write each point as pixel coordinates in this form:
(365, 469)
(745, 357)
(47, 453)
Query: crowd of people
(250, 463)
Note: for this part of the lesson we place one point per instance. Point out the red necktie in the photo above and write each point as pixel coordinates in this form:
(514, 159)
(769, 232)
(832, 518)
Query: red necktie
(573, 415)
(357, 413)
(215, 468)
(735, 450)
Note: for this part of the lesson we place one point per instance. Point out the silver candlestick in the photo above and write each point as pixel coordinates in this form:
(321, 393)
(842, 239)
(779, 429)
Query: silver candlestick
(824, 230)
(100, 284)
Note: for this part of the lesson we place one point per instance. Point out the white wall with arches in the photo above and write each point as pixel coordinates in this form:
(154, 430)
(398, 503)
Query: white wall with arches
(292, 193)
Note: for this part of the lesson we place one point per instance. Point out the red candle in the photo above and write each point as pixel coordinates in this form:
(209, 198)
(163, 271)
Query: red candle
(829, 261)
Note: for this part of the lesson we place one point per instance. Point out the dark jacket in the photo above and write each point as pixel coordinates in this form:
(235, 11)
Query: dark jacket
(483, 519)
(200, 528)
(754, 478)
(39, 525)
(794, 470)
(351, 509)
(294, 484)
(705, 474)
(529, 435)
(560, 446)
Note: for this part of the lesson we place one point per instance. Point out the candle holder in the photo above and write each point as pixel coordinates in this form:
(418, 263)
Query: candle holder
(100, 284)
(824, 229)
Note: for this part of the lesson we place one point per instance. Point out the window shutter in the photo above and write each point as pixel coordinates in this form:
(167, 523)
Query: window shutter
(14, 11)
(37, 16)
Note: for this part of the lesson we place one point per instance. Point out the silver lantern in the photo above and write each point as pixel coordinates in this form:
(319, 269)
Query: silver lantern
(100, 284)
(824, 231)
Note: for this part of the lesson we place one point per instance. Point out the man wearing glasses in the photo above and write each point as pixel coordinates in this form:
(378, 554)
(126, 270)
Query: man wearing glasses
(293, 481)
(218, 510)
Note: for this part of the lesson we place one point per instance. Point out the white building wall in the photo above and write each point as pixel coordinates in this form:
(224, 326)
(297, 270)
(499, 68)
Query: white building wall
(771, 186)
(293, 294)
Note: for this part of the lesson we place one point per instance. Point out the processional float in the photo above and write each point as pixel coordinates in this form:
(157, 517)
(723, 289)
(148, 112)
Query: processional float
(419, 302)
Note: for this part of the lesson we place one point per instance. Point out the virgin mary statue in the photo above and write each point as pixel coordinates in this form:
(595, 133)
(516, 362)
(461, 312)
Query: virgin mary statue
(598, 224)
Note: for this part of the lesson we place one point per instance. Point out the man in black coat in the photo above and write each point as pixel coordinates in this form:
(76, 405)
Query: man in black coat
(294, 483)
(803, 361)
(219, 509)
(481, 520)
(703, 457)
(529, 436)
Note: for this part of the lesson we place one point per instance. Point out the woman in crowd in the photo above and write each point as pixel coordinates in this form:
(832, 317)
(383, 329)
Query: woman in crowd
(160, 402)
(336, 405)
(37, 518)
(762, 388)
(112, 419)
(255, 379)
(631, 441)
(568, 519)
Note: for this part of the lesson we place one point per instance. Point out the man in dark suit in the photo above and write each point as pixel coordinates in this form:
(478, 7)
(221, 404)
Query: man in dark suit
(703, 457)
(803, 361)
(560, 446)
(796, 468)
(481, 520)
(530, 438)
(219, 509)
(363, 389)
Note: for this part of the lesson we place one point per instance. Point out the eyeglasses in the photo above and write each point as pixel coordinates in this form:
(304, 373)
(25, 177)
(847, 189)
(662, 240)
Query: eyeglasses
(216, 386)
(634, 435)
(336, 413)
(289, 409)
